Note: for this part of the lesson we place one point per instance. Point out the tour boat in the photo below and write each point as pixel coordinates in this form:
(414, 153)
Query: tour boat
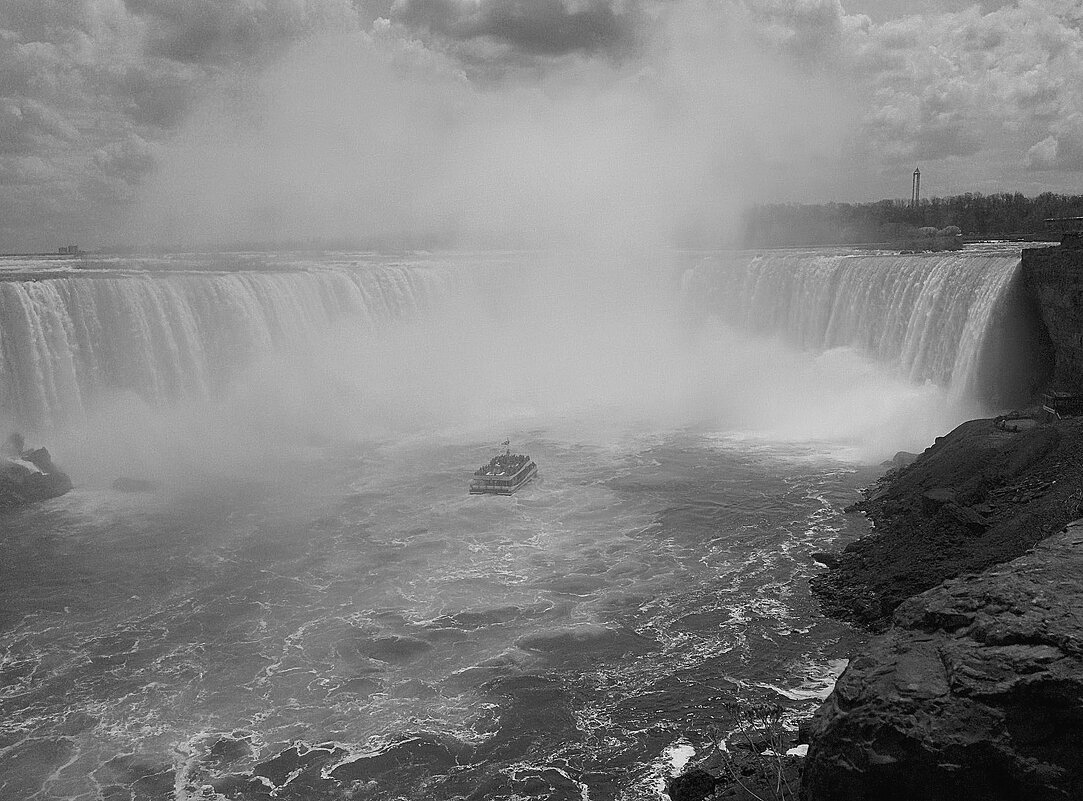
(504, 474)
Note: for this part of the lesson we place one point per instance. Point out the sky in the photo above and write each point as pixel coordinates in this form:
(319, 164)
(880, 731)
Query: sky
(520, 122)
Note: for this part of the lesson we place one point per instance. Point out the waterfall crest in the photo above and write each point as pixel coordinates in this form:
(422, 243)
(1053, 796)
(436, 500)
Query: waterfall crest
(182, 328)
(929, 315)
(170, 335)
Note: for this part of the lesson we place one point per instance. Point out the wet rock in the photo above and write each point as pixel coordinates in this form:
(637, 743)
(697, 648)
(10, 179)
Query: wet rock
(978, 497)
(41, 459)
(976, 692)
(30, 479)
(749, 769)
(692, 785)
(826, 559)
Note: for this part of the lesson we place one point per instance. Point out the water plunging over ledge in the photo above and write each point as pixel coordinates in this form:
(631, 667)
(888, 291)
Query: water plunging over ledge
(949, 318)
(313, 604)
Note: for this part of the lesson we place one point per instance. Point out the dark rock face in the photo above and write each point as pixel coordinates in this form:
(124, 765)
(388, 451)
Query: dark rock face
(1053, 277)
(980, 496)
(976, 692)
(20, 485)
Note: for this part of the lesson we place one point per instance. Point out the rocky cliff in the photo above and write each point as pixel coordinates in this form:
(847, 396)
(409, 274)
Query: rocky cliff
(980, 496)
(1053, 277)
(976, 689)
(976, 692)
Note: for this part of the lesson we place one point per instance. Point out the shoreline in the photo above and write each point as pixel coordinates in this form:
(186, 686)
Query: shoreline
(979, 496)
(972, 582)
(929, 706)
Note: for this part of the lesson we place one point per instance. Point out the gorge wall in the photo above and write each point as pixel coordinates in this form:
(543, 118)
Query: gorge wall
(1053, 279)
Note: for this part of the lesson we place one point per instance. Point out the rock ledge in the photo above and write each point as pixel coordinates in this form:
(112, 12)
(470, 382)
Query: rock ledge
(976, 692)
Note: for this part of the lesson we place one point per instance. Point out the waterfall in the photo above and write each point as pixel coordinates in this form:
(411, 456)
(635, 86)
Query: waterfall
(167, 335)
(928, 315)
(183, 327)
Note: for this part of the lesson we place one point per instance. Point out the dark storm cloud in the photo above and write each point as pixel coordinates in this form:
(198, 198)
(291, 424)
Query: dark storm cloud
(536, 27)
(202, 31)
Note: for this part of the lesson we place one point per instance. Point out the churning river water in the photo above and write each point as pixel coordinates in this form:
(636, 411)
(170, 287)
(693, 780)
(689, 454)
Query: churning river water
(335, 617)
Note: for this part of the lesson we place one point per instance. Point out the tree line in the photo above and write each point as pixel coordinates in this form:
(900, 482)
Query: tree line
(974, 214)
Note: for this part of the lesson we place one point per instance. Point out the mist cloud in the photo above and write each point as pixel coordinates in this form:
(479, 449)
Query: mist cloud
(372, 133)
(773, 99)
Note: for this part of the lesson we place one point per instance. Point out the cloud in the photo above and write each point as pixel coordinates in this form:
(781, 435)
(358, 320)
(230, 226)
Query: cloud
(129, 160)
(385, 133)
(27, 171)
(538, 27)
(216, 32)
(1062, 150)
(27, 126)
(463, 113)
(806, 29)
(972, 91)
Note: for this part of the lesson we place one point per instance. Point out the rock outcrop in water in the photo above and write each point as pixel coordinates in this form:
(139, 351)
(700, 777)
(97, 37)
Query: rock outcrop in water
(27, 476)
(982, 495)
(976, 692)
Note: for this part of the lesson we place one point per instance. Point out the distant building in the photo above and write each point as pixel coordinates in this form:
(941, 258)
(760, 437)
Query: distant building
(69, 250)
(915, 191)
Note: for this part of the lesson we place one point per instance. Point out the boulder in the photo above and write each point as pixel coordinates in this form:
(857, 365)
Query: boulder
(975, 692)
(41, 459)
(31, 477)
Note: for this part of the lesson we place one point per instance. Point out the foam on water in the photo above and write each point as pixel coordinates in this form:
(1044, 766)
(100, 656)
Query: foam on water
(346, 617)
(318, 604)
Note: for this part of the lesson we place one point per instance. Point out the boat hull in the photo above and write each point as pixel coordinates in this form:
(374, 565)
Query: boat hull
(484, 487)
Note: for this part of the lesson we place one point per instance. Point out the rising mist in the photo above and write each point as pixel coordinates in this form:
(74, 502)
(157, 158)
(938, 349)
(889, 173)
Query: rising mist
(369, 134)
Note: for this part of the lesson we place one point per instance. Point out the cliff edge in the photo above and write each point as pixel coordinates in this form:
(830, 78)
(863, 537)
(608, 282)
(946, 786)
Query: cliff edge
(1053, 278)
(976, 692)
(976, 689)
(979, 496)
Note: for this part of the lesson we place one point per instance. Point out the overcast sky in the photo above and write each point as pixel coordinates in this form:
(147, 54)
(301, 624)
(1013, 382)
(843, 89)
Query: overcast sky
(188, 121)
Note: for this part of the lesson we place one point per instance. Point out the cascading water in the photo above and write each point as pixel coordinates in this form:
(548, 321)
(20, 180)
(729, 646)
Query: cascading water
(928, 315)
(313, 612)
(170, 335)
(181, 328)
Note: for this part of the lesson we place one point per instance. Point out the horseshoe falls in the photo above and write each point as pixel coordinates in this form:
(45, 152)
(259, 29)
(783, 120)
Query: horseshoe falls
(309, 605)
(937, 318)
